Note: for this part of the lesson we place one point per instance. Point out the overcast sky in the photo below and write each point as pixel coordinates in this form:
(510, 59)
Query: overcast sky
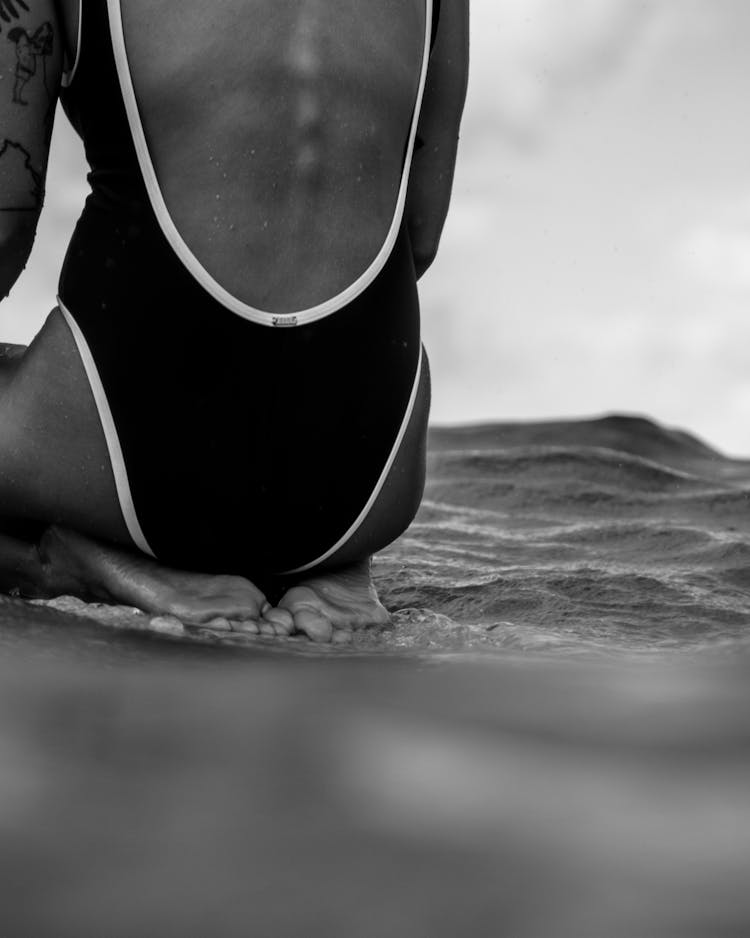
(597, 256)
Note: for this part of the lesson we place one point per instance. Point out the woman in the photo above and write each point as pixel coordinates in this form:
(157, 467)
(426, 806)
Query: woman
(232, 380)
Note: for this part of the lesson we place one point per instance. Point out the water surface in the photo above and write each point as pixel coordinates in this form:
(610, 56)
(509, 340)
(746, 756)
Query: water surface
(552, 738)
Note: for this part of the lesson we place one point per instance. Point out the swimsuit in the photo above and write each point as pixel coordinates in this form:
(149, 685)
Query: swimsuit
(240, 440)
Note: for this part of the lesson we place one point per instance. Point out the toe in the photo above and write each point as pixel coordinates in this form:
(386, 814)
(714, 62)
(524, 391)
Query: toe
(199, 599)
(246, 626)
(219, 624)
(167, 625)
(314, 624)
(281, 619)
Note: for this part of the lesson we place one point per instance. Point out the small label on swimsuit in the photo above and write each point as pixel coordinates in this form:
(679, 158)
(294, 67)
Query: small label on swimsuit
(284, 320)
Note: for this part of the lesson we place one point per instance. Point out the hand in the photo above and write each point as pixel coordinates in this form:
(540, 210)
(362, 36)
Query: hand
(9, 8)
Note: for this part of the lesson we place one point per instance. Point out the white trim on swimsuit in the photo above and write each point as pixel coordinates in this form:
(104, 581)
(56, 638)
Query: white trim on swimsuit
(181, 249)
(359, 520)
(110, 434)
(70, 74)
(215, 289)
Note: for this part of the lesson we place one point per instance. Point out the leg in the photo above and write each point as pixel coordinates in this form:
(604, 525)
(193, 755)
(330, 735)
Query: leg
(330, 601)
(55, 470)
(97, 570)
(20, 568)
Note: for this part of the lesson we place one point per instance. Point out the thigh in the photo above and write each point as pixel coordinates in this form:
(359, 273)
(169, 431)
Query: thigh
(398, 501)
(54, 462)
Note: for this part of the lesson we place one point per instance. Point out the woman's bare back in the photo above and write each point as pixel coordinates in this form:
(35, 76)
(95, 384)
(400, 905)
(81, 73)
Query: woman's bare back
(314, 82)
(277, 131)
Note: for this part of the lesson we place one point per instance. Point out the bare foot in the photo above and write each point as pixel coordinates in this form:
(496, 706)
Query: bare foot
(329, 606)
(75, 563)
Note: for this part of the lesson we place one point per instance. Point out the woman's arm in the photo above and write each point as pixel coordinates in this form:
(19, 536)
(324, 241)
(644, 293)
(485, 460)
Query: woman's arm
(31, 57)
(432, 169)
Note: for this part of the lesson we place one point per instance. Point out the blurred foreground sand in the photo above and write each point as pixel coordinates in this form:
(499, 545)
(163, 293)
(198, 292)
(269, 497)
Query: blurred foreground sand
(363, 797)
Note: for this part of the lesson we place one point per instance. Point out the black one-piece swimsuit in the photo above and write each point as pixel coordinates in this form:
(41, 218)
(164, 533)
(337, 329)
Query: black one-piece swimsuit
(219, 465)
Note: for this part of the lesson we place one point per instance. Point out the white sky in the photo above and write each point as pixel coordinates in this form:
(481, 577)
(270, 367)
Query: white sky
(597, 256)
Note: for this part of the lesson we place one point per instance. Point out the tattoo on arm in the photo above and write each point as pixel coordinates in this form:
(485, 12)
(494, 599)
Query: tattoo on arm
(30, 49)
(10, 8)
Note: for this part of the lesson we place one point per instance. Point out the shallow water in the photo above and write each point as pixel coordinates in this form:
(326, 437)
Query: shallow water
(598, 537)
(552, 738)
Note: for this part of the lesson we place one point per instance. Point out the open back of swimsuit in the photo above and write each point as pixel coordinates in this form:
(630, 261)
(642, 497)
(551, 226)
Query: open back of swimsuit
(241, 440)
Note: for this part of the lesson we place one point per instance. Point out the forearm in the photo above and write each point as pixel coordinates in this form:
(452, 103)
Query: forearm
(17, 230)
(427, 209)
(433, 165)
(31, 60)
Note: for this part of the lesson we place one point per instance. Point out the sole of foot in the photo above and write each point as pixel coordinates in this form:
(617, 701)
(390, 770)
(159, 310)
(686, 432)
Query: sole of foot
(102, 571)
(330, 606)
